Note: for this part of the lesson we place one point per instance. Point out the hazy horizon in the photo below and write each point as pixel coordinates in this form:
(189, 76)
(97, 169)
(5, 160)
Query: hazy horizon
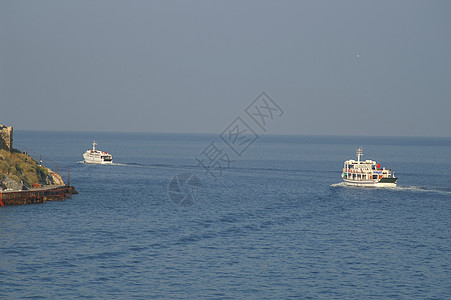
(269, 134)
(336, 68)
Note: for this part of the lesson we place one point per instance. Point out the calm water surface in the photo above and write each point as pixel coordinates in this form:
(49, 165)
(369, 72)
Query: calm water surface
(275, 225)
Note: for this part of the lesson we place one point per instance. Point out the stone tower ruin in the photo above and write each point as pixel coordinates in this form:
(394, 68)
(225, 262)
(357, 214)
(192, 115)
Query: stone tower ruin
(6, 137)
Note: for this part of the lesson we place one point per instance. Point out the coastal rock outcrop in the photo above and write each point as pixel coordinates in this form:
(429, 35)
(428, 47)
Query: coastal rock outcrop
(54, 178)
(7, 183)
(18, 171)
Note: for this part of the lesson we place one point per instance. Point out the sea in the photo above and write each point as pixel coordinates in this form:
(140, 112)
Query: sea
(188, 216)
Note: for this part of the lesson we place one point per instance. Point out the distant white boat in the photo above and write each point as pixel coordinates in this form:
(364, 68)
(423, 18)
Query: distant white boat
(367, 173)
(93, 156)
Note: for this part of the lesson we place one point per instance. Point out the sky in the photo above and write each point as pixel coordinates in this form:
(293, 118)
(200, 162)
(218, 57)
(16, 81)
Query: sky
(365, 68)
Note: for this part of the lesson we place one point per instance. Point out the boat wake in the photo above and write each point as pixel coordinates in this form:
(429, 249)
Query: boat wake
(341, 184)
(133, 164)
(95, 164)
(119, 164)
(411, 188)
(422, 189)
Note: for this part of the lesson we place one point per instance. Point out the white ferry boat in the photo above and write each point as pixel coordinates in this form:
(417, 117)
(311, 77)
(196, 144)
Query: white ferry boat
(93, 156)
(367, 173)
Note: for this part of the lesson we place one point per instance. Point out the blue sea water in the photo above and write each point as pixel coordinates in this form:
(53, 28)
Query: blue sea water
(276, 224)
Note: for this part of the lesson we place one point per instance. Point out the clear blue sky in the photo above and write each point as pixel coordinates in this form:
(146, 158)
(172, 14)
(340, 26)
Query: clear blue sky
(335, 67)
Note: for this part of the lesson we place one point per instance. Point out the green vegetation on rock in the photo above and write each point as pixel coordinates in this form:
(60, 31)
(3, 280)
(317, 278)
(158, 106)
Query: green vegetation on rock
(24, 171)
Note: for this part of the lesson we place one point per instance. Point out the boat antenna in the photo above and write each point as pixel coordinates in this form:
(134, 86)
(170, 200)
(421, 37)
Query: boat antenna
(359, 153)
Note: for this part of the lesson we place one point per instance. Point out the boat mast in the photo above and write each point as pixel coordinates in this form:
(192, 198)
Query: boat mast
(94, 146)
(359, 153)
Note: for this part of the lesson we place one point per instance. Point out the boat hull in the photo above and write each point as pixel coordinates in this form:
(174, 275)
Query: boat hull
(96, 160)
(371, 183)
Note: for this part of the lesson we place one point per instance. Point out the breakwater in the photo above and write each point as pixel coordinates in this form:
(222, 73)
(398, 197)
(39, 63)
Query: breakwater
(34, 196)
